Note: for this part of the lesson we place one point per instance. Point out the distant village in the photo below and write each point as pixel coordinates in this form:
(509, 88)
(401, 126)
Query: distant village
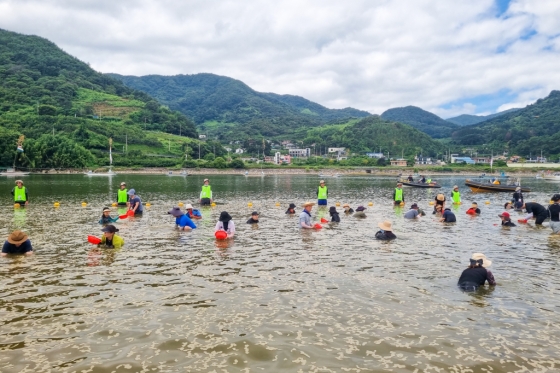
(286, 151)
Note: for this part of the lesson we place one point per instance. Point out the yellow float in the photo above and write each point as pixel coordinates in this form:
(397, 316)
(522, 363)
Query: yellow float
(84, 204)
(277, 204)
(148, 204)
(17, 205)
(487, 202)
(370, 204)
(250, 204)
(56, 204)
(213, 204)
(181, 204)
(337, 204)
(114, 204)
(431, 203)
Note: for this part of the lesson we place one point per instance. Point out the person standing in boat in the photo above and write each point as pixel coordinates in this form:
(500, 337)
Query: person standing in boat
(20, 194)
(476, 273)
(456, 195)
(122, 196)
(398, 195)
(206, 194)
(535, 211)
(322, 194)
(517, 198)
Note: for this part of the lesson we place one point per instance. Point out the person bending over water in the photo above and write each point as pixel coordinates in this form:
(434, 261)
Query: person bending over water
(476, 273)
(448, 216)
(106, 217)
(17, 243)
(110, 239)
(182, 220)
(386, 232)
(536, 211)
(225, 224)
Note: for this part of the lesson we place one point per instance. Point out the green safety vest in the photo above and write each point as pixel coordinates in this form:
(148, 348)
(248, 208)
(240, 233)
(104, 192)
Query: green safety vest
(456, 196)
(206, 191)
(398, 194)
(19, 194)
(322, 193)
(429, 181)
(122, 196)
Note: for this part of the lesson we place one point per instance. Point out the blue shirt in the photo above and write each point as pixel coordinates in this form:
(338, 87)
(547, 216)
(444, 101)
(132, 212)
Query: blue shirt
(195, 213)
(449, 217)
(133, 202)
(9, 248)
(184, 221)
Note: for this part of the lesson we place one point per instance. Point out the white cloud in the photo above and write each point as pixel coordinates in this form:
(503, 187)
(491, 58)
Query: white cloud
(372, 55)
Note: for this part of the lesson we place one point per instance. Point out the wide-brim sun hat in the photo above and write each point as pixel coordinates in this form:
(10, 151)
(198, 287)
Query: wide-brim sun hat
(188, 206)
(292, 206)
(360, 208)
(346, 205)
(224, 216)
(386, 225)
(485, 261)
(308, 204)
(176, 212)
(131, 192)
(19, 181)
(17, 237)
(414, 206)
(440, 197)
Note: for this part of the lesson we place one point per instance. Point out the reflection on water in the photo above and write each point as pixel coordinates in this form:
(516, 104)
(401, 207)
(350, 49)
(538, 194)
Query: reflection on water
(274, 298)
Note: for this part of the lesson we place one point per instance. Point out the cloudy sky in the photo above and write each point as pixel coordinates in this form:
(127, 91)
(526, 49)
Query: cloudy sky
(446, 56)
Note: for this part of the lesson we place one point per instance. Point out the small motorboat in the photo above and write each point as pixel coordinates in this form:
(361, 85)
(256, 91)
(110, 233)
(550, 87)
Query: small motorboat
(182, 173)
(91, 173)
(421, 185)
(552, 177)
(487, 186)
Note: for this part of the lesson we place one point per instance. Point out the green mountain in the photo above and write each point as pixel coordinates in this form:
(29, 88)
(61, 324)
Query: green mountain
(67, 112)
(422, 120)
(531, 129)
(373, 134)
(467, 119)
(231, 110)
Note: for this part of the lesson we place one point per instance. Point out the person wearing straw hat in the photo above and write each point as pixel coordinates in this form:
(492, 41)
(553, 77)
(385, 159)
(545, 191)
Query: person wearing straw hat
(335, 218)
(122, 195)
(347, 209)
(110, 239)
(135, 203)
(106, 216)
(386, 232)
(476, 274)
(17, 243)
(182, 220)
(360, 212)
(225, 224)
(473, 210)
(20, 194)
(206, 194)
(398, 195)
(517, 198)
(305, 216)
(322, 193)
(554, 214)
(440, 200)
(506, 219)
(456, 195)
(291, 209)
(192, 213)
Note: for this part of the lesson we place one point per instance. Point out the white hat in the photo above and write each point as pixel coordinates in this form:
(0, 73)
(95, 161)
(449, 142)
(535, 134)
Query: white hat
(485, 262)
(322, 182)
(188, 206)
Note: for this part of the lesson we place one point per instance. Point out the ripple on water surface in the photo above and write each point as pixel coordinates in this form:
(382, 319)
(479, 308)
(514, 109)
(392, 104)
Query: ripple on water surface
(274, 298)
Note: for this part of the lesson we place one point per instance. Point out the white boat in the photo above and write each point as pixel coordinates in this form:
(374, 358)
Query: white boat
(182, 173)
(110, 172)
(539, 175)
(12, 172)
(552, 177)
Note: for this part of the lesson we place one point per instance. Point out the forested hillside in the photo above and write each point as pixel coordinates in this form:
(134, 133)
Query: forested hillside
(67, 111)
(532, 129)
(373, 134)
(467, 119)
(422, 120)
(231, 110)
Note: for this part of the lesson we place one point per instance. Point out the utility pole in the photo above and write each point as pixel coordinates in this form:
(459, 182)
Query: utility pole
(199, 150)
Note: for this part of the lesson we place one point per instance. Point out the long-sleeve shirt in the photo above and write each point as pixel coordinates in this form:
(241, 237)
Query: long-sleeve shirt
(26, 193)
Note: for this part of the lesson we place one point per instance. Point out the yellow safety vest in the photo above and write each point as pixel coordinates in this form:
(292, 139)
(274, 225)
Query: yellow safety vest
(122, 197)
(206, 191)
(398, 194)
(322, 193)
(456, 196)
(19, 194)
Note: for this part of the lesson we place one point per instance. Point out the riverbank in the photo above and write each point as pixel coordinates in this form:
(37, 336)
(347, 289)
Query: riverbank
(327, 172)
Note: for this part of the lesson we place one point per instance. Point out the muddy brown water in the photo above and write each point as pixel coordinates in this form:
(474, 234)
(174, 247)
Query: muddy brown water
(274, 298)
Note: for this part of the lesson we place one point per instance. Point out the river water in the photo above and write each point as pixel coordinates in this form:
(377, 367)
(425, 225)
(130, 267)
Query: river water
(274, 298)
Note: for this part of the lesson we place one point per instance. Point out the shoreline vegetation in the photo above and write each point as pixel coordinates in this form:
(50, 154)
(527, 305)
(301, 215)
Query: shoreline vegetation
(324, 171)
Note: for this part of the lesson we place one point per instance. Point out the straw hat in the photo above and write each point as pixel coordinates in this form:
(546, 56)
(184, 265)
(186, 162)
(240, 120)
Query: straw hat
(386, 225)
(322, 182)
(308, 204)
(17, 237)
(440, 197)
(19, 181)
(485, 262)
(346, 205)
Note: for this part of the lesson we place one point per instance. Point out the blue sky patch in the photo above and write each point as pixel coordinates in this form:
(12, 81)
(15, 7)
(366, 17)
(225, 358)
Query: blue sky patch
(484, 103)
(502, 6)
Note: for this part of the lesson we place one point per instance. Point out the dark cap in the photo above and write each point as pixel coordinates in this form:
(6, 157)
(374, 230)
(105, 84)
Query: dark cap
(110, 228)
(292, 206)
(254, 213)
(360, 208)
